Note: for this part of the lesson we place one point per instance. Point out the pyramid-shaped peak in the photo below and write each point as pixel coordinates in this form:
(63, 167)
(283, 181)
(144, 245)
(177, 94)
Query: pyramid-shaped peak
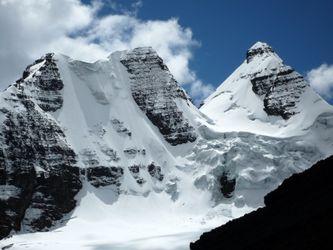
(258, 49)
(260, 45)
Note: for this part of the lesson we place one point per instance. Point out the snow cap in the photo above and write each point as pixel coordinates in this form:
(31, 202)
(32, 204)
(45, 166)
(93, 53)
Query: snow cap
(258, 49)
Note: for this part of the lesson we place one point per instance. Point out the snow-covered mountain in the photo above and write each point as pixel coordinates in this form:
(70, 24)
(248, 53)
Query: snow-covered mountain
(265, 96)
(114, 154)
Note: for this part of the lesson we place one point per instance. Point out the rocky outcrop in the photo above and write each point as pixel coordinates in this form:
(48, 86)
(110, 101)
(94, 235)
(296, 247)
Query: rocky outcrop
(227, 185)
(281, 91)
(258, 49)
(297, 215)
(41, 81)
(120, 127)
(138, 172)
(132, 152)
(38, 176)
(280, 87)
(100, 176)
(155, 171)
(154, 90)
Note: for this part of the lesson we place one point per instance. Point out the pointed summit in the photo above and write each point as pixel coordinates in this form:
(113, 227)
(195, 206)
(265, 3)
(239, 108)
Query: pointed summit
(155, 91)
(258, 49)
(260, 45)
(265, 96)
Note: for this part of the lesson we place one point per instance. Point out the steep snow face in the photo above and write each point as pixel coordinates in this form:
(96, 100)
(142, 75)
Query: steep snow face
(126, 112)
(264, 96)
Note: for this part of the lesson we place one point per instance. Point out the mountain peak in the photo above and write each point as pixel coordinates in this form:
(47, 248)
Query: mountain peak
(138, 51)
(147, 49)
(260, 45)
(258, 49)
(122, 132)
(154, 89)
(265, 92)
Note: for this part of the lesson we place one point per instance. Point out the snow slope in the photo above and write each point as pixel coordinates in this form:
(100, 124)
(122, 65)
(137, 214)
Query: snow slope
(155, 171)
(132, 222)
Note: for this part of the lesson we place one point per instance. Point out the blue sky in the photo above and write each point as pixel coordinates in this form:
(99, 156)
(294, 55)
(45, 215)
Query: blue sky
(300, 31)
(202, 41)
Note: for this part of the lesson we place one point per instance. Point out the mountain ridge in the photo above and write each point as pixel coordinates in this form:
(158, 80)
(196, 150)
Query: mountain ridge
(127, 134)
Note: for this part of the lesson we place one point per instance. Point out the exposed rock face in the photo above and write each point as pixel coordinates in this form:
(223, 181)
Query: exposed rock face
(138, 172)
(280, 87)
(258, 49)
(155, 171)
(38, 176)
(281, 91)
(120, 128)
(154, 90)
(298, 215)
(227, 185)
(104, 176)
(133, 152)
(41, 81)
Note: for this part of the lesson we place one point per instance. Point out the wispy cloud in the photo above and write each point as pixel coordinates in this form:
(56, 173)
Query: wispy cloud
(199, 91)
(321, 79)
(120, 8)
(31, 28)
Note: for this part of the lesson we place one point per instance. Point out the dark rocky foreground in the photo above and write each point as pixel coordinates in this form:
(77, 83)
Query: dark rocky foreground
(298, 215)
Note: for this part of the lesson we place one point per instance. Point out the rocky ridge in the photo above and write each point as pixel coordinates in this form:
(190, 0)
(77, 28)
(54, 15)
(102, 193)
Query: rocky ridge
(38, 173)
(154, 90)
(280, 87)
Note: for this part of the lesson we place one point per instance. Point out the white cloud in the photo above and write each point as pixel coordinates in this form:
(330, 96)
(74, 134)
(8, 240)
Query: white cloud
(120, 8)
(31, 28)
(199, 91)
(172, 42)
(321, 79)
